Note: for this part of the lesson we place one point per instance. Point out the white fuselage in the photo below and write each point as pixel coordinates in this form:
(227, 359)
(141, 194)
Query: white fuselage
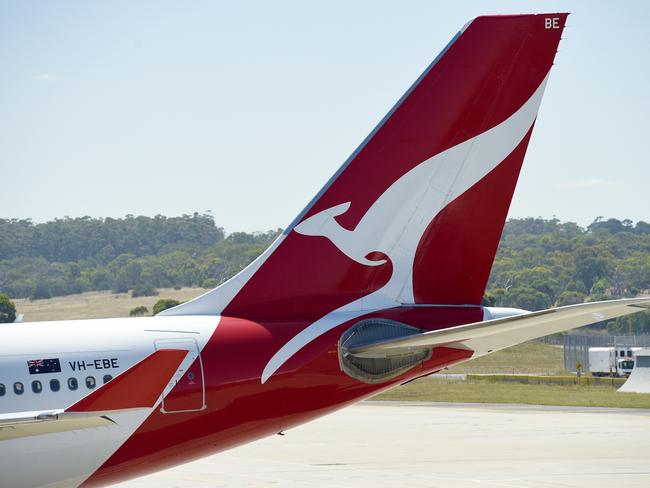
(88, 353)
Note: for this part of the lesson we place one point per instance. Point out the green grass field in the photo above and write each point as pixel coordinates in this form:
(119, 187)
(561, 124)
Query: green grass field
(530, 357)
(436, 390)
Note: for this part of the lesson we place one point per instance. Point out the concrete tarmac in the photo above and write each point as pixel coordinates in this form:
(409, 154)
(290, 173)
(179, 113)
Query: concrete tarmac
(412, 444)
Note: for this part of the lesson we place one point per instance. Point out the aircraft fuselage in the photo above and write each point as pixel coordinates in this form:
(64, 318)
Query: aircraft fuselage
(214, 402)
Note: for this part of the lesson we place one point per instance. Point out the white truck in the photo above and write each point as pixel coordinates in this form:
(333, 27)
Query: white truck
(612, 361)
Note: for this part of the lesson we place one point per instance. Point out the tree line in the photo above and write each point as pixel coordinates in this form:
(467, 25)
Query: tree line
(540, 263)
(544, 263)
(67, 240)
(132, 254)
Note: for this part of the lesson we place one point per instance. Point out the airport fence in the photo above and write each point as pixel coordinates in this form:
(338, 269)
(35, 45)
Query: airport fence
(553, 339)
(584, 380)
(576, 347)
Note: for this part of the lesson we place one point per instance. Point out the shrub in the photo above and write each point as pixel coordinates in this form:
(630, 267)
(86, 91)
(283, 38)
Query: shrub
(7, 309)
(164, 304)
(140, 311)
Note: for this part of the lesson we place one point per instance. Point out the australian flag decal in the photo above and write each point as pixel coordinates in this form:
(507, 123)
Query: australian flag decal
(40, 366)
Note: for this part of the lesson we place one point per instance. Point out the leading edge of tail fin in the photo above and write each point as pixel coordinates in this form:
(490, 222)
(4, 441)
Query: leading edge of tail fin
(416, 213)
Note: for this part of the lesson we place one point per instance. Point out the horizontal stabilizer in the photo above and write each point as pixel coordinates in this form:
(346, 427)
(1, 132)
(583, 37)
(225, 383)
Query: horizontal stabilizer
(138, 387)
(48, 424)
(492, 335)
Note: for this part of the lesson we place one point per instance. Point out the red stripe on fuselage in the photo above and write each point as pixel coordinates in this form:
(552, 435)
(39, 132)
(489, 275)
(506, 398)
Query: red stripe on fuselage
(240, 408)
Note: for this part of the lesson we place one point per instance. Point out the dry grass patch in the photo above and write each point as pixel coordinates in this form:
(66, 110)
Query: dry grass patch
(95, 305)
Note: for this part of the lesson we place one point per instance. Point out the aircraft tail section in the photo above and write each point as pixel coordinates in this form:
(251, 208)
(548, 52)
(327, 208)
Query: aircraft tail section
(414, 216)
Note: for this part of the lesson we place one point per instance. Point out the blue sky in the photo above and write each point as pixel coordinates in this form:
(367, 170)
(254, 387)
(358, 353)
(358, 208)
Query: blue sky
(246, 108)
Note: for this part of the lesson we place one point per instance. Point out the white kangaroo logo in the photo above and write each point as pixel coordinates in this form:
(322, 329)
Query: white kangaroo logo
(323, 224)
(396, 221)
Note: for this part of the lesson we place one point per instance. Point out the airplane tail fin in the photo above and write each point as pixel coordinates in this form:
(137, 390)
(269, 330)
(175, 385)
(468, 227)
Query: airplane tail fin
(414, 216)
